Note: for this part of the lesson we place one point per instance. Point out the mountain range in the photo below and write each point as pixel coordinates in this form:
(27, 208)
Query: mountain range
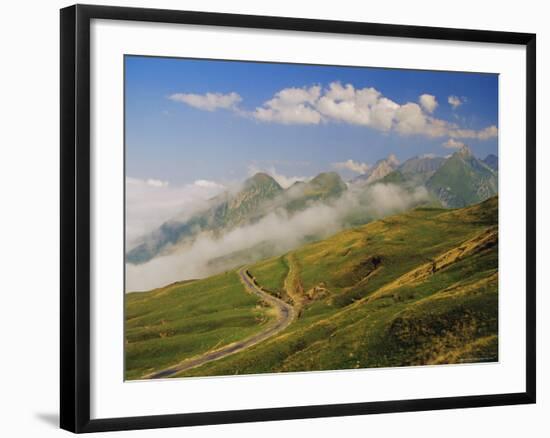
(463, 180)
(452, 182)
(258, 196)
(380, 169)
(456, 181)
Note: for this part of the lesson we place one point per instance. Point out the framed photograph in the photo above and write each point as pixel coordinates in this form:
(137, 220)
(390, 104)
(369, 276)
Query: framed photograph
(270, 218)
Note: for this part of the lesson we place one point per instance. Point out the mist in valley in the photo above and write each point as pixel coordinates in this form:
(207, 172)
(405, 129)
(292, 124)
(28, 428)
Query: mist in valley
(275, 233)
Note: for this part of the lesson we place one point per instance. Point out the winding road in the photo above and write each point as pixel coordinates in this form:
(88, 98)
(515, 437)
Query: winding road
(285, 315)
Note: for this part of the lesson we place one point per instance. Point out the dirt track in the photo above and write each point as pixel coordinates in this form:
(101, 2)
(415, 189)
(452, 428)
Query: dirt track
(285, 315)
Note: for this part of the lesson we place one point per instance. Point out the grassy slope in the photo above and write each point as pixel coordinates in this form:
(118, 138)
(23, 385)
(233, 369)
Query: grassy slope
(415, 288)
(271, 274)
(466, 180)
(179, 321)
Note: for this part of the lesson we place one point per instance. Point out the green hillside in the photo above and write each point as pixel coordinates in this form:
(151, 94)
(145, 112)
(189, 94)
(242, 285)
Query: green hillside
(324, 187)
(415, 288)
(457, 181)
(249, 203)
(170, 324)
(463, 180)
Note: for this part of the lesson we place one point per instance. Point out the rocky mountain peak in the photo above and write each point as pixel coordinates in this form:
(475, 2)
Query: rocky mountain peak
(261, 179)
(392, 160)
(464, 152)
(381, 169)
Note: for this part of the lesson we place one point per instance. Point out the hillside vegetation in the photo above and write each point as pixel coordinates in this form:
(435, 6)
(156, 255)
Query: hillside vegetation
(182, 320)
(411, 289)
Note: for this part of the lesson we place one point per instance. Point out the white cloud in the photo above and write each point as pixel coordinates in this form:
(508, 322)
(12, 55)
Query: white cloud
(156, 182)
(410, 119)
(208, 101)
(455, 101)
(152, 182)
(338, 92)
(364, 106)
(208, 184)
(354, 166)
(428, 102)
(489, 132)
(150, 202)
(291, 106)
(382, 114)
(344, 104)
(482, 134)
(453, 144)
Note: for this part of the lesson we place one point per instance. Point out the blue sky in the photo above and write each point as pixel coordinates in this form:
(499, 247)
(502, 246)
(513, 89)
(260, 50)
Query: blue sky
(323, 115)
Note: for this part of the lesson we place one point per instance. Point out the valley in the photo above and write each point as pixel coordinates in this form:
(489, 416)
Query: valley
(415, 288)
(262, 219)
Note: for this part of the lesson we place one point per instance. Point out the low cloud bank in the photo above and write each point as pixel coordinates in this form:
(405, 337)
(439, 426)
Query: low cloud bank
(278, 229)
(151, 202)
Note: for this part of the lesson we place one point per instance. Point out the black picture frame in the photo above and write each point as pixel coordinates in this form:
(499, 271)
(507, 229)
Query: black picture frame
(75, 217)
